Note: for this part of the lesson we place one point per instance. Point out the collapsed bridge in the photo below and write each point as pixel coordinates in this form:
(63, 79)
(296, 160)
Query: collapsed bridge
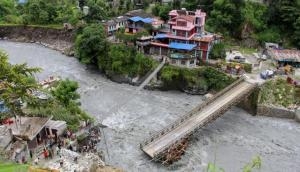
(159, 142)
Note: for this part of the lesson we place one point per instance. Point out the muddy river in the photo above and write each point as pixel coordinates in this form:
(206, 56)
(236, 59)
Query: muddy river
(231, 141)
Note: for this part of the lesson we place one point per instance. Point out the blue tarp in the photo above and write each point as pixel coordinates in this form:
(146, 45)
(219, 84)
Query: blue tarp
(182, 46)
(160, 36)
(2, 107)
(138, 18)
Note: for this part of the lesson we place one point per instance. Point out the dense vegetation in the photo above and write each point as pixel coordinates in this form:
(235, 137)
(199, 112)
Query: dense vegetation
(15, 81)
(16, 86)
(91, 45)
(285, 95)
(62, 105)
(46, 12)
(218, 51)
(274, 21)
(204, 78)
(43, 12)
(92, 48)
(127, 61)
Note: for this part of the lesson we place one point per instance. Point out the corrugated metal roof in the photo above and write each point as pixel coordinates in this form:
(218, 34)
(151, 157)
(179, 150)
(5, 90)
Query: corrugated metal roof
(285, 55)
(138, 18)
(147, 20)
(182, 46)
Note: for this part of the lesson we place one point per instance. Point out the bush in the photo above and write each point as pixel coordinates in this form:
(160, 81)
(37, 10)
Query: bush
(216, 80)
(247, 67)
(278, 92)
(13, 19)
(268, 35)
(218, 51)
(127, 61)
(205, 78)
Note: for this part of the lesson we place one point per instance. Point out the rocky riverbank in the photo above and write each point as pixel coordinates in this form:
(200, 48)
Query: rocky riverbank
(61, 40)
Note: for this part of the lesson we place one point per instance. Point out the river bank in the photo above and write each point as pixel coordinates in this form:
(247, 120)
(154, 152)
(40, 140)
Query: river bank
(231, 141)
(61, 40)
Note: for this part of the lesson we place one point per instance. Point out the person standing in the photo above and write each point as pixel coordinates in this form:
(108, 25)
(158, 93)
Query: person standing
(61, 162)
(36, 161)
(45, 153)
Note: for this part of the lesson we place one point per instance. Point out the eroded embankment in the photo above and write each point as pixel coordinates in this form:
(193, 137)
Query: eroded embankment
(58, 39)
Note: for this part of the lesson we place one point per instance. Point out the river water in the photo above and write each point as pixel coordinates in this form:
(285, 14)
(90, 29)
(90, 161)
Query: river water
(231, 141)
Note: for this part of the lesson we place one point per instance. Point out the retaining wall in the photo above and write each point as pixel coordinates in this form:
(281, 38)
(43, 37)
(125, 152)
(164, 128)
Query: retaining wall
(279, 112)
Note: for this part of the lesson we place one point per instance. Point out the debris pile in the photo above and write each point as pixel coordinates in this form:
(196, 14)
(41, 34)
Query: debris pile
(174, 152)
(72, 161)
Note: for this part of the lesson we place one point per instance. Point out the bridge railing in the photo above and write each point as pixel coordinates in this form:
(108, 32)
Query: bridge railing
(213, 116)
(183, 118)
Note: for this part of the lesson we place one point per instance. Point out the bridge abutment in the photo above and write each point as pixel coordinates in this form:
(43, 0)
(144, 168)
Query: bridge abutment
(249, 103)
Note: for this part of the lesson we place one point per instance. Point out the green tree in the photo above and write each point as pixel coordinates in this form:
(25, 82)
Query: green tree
(218, 51)
(16, 82)
(126, 60)
(164, 12)
(216, 80)
(226, 16)
(284, 14)
(254, 14)
(91, 45)
(7, 7)
(65, 92)
(97, 10)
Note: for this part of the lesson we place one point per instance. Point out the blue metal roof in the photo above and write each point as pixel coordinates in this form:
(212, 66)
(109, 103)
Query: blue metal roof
(182, 46)
(160, 36)
(147, 20)
(138, 18)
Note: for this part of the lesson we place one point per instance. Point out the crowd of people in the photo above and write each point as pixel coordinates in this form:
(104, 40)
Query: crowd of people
(53, 146)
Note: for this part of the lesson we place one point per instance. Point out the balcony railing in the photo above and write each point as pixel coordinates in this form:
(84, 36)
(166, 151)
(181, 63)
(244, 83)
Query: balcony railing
(181, 56)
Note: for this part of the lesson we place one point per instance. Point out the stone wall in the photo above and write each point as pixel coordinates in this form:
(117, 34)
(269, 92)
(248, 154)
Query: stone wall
(272, 111)
(297, 117)
(58, 39)
(249, 104)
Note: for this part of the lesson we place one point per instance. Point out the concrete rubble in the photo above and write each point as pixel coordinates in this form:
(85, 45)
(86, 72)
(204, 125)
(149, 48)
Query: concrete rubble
(84, 162)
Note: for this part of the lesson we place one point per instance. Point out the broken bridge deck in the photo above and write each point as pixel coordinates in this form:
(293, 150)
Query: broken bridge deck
(198, 117)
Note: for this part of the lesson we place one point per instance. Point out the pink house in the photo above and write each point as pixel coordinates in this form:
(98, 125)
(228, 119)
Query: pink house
(184, 40)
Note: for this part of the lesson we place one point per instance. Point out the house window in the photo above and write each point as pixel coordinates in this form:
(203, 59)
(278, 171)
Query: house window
(192, 62)
(182, 62)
